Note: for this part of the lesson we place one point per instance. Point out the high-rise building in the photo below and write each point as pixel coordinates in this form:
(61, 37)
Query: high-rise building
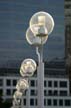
(68, 37)
(14, 21)
(68, 27)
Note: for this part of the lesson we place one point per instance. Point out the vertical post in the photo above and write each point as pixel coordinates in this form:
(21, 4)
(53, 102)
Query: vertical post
(28, 97)
(4, 89)
(40, 73)
(22, 102)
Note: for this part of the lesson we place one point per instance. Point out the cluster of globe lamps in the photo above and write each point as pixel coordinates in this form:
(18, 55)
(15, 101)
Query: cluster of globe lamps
(40, 26)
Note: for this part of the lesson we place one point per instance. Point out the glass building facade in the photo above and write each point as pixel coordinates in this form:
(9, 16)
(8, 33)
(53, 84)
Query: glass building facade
(14, 21)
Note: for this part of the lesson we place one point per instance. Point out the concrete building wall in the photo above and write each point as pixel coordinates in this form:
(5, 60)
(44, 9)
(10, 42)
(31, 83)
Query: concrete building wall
(54, 90)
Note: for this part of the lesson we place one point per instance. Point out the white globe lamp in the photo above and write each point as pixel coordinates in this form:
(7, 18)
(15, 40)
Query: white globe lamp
(41, 24)
(22, 85)
(28, 67)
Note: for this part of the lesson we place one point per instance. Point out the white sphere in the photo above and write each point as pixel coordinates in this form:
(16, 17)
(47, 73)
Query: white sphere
(41, 23)
(28, 67)
(17, 95)
(35, 40)
(22, 85)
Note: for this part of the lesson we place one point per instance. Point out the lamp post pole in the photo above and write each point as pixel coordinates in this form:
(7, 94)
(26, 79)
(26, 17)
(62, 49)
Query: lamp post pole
(40, 75)
(28, 97)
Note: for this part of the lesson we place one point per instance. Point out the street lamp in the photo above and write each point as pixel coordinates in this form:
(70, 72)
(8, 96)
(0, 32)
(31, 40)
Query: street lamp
(27, 68)
(22, 85)
(40, 26)
(17, 95)
(33, 40)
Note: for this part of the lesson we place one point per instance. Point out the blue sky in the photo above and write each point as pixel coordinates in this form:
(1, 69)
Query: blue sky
(14, 21)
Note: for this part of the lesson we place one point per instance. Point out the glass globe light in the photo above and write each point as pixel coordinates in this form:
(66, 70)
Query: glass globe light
(28, 67)
(22, 85)
(41, 24)
(33, 40)
(17, 95)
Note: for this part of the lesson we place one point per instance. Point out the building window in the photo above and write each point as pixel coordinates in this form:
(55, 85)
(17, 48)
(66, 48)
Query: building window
(60, 102)
(24, 101)
(55, 83)
(45, 93)
(35, 102)
(33, 83)
(50, 92)
(45, 102)
(32, 102)
(55, 102)
(8, 92)
(45, 84)
(63, 84)
(67, 102)
(63, 93)
(8, 82)
(1, 92)
(1, 82)
(68, 6)
(55, 93)
(14, 82)
(33, 92)
(49, 102)
(49, 83)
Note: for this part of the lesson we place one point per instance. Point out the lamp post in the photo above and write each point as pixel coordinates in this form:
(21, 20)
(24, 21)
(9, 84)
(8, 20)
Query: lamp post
(27, 69)
(41, 25)
(22, 86)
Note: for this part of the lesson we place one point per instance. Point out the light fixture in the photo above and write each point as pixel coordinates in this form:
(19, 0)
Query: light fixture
(22, 85)
(33, 40)
(28, 67)
(17, 95)
(41, 24)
